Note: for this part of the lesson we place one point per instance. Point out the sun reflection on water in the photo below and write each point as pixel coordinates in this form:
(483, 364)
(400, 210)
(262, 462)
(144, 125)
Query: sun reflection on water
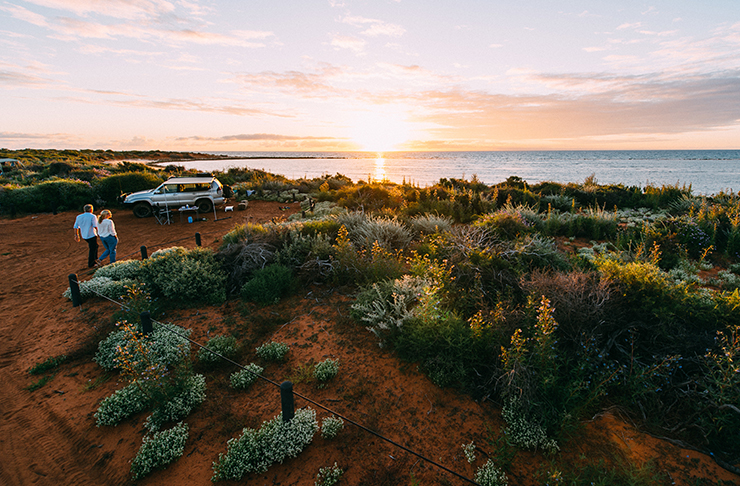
(379, 172)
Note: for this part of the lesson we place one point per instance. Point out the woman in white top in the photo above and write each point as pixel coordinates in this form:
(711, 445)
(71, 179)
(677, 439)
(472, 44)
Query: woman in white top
(108, 235)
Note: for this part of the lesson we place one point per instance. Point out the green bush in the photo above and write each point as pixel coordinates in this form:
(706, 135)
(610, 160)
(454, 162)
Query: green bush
(122, 404)
(102, 287)
(108, 189)
(185, 276)
(48, 196)
(326, 370)
(223, 345)
(189, 393)
(268, 285)
(159, 450)
(331, 426)
(256, 450)
(241, 380)
(328, 476)
(273, 351)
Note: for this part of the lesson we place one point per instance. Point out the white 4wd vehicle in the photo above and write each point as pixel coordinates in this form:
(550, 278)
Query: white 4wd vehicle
(203, 192)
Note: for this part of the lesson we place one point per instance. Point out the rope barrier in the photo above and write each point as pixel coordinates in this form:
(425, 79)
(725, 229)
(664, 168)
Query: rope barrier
(299, 395)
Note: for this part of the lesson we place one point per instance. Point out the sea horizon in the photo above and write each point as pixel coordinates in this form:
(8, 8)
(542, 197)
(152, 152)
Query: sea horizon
(706, 171)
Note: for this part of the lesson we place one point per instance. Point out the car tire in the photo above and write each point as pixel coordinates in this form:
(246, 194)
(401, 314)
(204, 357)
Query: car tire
(142, 210)
(204, 205)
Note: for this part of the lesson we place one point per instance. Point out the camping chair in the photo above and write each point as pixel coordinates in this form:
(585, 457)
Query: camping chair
(162, 215)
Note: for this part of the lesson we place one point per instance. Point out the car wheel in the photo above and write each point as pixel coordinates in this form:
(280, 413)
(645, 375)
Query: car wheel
(142, 210)
(204, 206)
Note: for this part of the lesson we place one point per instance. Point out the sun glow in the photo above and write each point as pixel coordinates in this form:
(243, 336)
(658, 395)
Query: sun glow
(379, 130)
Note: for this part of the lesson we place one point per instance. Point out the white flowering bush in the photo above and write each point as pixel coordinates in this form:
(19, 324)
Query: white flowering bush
(102, 287)
(331, 426)
(326, 370)
(223, 345)
(158, 450)
(273, 351)
(329, 476)
(163, 346)
(122, 404)
(490, 475)
(469, 451)
(524, 432)
(241, 380)
(256, 450)
(191, 394)
(120, 270)
(384, 307)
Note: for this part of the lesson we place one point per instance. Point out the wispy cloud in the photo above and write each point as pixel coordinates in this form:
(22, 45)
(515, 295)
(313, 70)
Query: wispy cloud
(348, 42)
(20, 13)
(375, 27)
(122, 9)
(252, 137)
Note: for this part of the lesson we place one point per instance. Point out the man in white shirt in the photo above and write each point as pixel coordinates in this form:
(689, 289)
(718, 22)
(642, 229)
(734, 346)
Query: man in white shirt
(86, 228)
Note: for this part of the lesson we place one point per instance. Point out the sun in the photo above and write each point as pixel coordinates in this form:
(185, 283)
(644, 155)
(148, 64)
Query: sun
(379, 130)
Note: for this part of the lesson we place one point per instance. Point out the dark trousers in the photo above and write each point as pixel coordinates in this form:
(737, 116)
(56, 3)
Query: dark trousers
(92, 255)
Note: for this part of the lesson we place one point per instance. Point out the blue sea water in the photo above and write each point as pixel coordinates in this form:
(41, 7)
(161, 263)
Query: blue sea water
(707, 171)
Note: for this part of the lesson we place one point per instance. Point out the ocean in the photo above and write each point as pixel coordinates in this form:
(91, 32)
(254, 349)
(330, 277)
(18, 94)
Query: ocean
(706, 171)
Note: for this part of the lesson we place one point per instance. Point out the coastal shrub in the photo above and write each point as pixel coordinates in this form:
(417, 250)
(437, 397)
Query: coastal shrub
(273, 351)
(165, 346)
(331, 426)
(242, 259)
(47, 365)
(243, 379)
(185, 276)
(256, 450)
(188, 394)
(268, 285)
(490, 475)
(121, 405)
(47, 196)
(108, 189)
(369, 197)
(722, 385)
(389, 234)
(223, 345)
(504, 224)
(159, 450)
(359, 266)
(105, 287)
(535, 251)
(384, 307)
(469, 451)
(326, 370)
(120, 270)
(328, 476)
(429, 224)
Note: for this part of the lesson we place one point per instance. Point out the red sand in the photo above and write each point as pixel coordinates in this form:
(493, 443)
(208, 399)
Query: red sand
(49, 436)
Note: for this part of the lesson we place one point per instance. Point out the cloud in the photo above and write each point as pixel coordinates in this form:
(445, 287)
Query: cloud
(631, 26)
(121, 9)
(21, 13)
(254, 137)
(374, 27)
(346, 42)
(17, 79)
(615, 107)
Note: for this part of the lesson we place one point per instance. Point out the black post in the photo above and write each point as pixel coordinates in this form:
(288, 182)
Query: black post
(286, 400)
(74, 289)
(143, 252)
(146, 322)
(197, 239)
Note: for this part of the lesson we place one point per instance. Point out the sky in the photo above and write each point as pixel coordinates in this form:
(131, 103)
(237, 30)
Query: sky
(378, 75)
